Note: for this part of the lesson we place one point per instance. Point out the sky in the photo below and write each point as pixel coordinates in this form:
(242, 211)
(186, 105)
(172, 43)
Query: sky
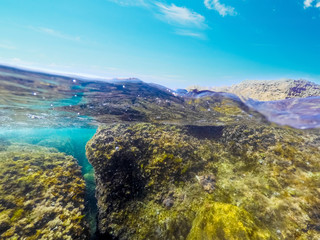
(176, 43)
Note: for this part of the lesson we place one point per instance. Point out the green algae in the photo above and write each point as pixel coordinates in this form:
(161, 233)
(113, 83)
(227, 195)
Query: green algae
(266, 182)
(224, 221)
(41, 194)
(17, 215)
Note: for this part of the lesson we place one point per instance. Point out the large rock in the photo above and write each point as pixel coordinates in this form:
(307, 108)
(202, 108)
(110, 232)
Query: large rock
(271, 90)
(237, 181)
(41, 195)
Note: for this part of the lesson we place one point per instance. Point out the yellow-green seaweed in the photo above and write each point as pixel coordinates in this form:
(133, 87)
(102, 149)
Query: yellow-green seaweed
(222, 221)
(41, 195)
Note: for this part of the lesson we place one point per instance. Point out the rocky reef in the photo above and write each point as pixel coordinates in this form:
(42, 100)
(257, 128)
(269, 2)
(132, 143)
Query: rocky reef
(168, 165)
(238, 181)
(41, 194)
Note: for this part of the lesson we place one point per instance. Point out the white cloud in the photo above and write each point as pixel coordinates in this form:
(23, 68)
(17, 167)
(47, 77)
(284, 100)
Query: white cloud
(308, 3)
(55, 33)
(221, 8)
(180, 16)
(190, 33)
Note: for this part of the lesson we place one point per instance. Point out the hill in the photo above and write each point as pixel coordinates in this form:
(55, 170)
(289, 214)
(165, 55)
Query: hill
(270, 90)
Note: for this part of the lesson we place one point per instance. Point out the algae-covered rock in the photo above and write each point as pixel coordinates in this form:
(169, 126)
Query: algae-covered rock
(225, 221)
(41, 195)
(237, 181)
(131, 161)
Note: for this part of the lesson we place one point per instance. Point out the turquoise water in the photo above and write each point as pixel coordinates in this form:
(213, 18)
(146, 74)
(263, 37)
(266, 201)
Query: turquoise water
(71, 141)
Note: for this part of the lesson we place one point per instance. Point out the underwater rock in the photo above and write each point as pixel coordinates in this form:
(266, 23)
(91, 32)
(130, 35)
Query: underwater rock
(132, 161)
(253, 181)
(207, 182)
(41, 195)
(168, 202)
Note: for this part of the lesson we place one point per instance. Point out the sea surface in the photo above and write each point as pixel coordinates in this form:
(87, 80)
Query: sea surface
(64, 113)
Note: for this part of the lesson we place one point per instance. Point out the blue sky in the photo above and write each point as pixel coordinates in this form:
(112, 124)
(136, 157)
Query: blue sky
(174, 43)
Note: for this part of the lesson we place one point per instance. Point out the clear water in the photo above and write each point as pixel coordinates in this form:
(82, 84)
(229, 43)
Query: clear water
(300, 113)
(64, 113)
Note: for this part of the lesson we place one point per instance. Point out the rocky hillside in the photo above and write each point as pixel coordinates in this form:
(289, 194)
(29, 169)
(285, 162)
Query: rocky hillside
(270, 90)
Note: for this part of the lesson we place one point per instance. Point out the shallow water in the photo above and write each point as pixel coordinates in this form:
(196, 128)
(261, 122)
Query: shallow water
(162, 159)
(71, 141)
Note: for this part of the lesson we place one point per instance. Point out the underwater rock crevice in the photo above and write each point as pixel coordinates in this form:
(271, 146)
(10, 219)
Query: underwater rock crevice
(205, 132)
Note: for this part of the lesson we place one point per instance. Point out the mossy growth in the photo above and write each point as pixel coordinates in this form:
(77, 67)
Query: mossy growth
(222, 221)
(17, 215)
(228, 107)
(41, 195)
(159, 181)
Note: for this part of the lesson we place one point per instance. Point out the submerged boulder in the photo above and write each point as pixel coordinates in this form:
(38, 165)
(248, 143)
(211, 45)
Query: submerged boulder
(41, 195)
(239, 181)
